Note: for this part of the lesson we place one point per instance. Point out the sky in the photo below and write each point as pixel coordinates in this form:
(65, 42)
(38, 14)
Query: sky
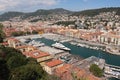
(73, 5)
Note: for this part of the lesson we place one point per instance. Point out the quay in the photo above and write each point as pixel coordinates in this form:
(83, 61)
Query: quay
(112, 71)
(56, 53)
(62, 38)
(76, 41)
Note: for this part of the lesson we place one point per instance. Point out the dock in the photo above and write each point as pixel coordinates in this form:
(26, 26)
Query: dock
(112, 71)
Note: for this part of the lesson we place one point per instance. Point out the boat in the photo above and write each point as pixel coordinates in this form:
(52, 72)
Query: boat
(73, 43)
(81, 45)
(36, 43)
(60, 46)
(39, 45)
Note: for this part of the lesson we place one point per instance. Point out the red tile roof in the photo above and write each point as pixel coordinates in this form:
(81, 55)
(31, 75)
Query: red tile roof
(54, 63)
(36, 54)
(63, 69)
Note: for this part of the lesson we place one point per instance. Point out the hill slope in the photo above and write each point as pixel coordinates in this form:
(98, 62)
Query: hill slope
(8, 15)
(94, 12)
(41, 12)
(46, 14)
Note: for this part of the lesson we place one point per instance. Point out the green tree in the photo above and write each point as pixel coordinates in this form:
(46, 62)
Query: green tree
(9, 52)
(1, 26)
(2, 34)
(75, 77)
(34, 32)
(50, 77)
(31, 61)
(13, 57)
(20, 33)
(16, 61)
(15, 66)
(4, 71)
(28, 72)
(96, 70)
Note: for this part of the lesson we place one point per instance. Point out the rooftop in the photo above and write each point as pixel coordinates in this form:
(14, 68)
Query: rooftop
(54, 63)
(36, 54)
(63, 69)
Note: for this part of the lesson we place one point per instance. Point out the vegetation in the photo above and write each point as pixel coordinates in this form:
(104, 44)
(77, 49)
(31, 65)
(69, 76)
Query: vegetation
(47, 13)
(94, 12)
(21, 33)
(35, 20)
(4, 71)
(2, 34)
(96, 70)
(15, 66)
(34, 32)
(8, 15)
(27, 72)
(78, 78)
(41, 12)
(65, 23)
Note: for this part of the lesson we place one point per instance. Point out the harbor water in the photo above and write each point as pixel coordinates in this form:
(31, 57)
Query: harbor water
(86, 52)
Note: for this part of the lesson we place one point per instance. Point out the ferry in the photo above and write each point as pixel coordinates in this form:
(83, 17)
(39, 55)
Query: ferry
(60, 46)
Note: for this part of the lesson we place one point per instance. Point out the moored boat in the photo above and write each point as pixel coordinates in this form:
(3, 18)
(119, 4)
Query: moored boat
(60, 46)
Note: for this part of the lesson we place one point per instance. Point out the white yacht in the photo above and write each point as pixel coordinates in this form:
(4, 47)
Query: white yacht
(36, 43)
(60, 46)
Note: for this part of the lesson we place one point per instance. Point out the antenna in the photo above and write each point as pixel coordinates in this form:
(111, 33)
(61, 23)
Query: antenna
(98, 58)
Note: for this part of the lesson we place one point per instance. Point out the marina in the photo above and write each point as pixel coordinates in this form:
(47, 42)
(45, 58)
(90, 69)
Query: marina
(83, 52)
(86, 52)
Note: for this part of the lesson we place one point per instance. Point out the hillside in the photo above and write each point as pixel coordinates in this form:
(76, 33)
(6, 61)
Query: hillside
(41, 12)
(93, 12)
(8, 15)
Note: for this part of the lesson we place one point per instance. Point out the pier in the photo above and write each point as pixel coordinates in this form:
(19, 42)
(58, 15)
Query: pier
(112, 71)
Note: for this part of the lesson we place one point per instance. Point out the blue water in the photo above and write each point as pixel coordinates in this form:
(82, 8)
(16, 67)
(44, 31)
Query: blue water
(86, 52)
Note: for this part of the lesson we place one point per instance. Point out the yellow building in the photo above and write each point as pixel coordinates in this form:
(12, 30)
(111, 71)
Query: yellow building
(12, 42)
(49, 67)
(26, 48)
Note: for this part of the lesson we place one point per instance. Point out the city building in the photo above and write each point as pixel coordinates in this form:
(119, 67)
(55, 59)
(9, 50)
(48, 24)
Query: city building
(50, 66)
